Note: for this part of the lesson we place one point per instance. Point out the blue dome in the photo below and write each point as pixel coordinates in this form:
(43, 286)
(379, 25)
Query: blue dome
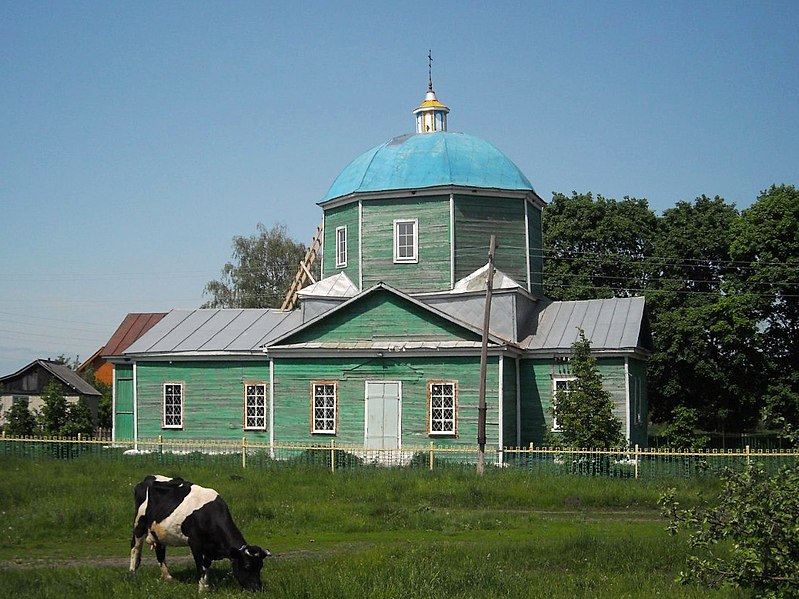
(418, 161)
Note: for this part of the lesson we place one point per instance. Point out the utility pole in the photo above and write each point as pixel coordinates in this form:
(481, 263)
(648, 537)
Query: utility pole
(481, 408)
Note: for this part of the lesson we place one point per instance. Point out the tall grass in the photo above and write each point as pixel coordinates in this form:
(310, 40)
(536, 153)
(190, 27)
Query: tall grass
(360, 533)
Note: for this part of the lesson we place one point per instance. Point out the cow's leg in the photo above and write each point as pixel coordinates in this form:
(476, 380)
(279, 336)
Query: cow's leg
(203, 565)
(160, 554)
(139, 532)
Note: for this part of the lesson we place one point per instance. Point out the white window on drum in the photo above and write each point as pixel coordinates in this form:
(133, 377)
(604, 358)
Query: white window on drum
(560, 385)
(341, 247)
(255, 406)
(406, 240)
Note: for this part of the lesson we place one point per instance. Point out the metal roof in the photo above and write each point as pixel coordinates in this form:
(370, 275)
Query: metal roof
(209, 331)
(133, 326)
(62, 372)
(418, 161)
(610, 324)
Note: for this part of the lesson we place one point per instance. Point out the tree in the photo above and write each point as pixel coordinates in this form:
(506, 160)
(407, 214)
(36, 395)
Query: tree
(20, 421)
(584, 411)
(55, 411)
(749, 539)
(263, 267)
(765, 247)
(681, 432)
(78, 421)
(596, 248)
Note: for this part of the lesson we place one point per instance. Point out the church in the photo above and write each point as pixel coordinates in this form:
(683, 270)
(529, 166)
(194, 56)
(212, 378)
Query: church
(384, 351)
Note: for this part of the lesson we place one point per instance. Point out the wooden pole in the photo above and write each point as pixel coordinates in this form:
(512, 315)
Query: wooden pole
(481, 409)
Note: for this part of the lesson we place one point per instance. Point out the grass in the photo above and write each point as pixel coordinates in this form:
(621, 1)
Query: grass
(367, 532)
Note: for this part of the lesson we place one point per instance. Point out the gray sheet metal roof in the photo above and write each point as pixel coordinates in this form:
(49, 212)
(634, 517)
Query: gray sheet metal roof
(214, 331)
(610, 324)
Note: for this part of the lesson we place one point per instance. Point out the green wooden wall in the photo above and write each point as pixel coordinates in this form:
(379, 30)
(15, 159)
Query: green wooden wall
(536, 382)
(432, 272)
(476, 219)
(213, 401)
(342, 216)
(536, 248)
(383, 314)
(292, 398)
(509, 412)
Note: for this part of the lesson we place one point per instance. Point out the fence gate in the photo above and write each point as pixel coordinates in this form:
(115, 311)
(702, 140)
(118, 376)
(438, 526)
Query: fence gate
(383, 414)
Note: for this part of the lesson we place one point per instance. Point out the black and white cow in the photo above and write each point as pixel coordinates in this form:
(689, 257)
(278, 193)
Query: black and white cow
(175, 512)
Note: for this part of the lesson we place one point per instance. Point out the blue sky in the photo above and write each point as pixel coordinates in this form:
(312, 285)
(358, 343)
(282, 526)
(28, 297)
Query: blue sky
(137, 138)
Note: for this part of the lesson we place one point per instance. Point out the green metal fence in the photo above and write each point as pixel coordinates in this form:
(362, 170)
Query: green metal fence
(635, 462)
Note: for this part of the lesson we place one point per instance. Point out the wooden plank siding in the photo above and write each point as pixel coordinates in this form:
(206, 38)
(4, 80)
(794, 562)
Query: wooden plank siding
(383, 315)
(341, 216)
(536, 249)
(432, 271)
(476, 219)
(536, 382)
(292, 398)
(509, 411)
(213, 398)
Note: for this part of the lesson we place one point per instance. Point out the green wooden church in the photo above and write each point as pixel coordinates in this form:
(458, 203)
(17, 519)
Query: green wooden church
(383, 352)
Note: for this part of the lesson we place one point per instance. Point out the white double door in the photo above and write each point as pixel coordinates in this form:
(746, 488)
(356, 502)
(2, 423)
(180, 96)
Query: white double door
(383, 424)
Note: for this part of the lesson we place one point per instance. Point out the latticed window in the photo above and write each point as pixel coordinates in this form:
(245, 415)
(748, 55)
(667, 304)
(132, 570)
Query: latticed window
(324, 407)
(405, 240)
(442, 408)
(341, 247)
(561, 385)
(173, 405)
(255, 406)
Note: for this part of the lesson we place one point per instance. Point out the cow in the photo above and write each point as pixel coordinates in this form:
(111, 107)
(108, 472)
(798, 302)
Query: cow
(174, 512)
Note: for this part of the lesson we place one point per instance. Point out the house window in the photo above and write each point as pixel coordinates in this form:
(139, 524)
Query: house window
(255, 406)
(173, 405)
(341, 247)
(560, 385)
(406, 240)
(323, 408)
(443, 407)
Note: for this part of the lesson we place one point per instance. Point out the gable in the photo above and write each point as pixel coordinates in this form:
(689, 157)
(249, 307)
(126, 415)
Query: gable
(382, 315)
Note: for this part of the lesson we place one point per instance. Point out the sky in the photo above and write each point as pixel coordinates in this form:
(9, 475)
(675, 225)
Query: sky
(138, 138)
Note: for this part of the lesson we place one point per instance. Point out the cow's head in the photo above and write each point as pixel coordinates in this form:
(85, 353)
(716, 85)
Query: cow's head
(247, 563)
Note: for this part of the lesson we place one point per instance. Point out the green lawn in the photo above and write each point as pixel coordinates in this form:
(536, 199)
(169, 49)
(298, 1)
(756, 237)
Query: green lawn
(376, 533)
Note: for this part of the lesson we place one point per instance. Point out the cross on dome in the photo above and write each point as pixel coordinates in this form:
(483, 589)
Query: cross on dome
(431, 116)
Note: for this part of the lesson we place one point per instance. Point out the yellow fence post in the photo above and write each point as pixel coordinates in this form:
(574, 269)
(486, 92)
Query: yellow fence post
(636, 461)
(244, 452)
(431, 456)
(333, 455)
(748, 457)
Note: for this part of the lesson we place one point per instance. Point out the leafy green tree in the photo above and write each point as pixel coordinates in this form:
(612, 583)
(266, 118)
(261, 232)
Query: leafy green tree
(79, 420)
(55, 411)
(596, 248)
(749, 538)
(264, 264)
(20, 421)
(765, 247)
(584, 411)
(681, 432)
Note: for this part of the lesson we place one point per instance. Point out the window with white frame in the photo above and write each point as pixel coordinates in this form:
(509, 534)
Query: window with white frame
(443, 407)
(341, 247)
(173, 405)
(406, 240)
(255, 406)
(559, 385)
(323, 408)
